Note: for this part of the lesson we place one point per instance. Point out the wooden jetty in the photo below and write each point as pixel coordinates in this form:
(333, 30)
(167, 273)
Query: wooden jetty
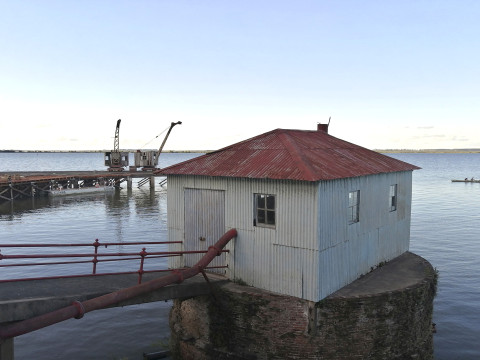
(18, 185)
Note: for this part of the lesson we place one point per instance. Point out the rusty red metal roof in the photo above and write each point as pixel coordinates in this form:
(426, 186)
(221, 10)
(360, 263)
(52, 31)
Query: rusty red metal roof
(290, 155)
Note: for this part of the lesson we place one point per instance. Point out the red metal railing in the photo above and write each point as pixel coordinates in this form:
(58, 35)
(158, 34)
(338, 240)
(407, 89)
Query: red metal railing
(78, 309)
(94, 258)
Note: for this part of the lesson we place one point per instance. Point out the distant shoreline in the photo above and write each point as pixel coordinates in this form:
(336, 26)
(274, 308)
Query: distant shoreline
(429, 151)
(101, 151)
(384, 151)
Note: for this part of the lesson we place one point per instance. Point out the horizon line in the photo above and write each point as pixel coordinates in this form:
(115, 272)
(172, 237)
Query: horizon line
(436, 150)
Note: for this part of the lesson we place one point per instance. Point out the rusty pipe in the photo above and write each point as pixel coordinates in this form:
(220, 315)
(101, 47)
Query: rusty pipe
(78, 309)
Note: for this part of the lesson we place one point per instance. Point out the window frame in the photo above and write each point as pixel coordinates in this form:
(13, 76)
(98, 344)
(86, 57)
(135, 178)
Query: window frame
(353, 207)
(393, 197)
(268, 211)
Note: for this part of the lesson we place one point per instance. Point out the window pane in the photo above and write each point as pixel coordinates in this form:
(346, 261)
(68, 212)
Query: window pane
(271, 202)
(261, 216)
(393, 197)
(261, 201)
(352, 198)
(271, 217)
(351, 217)
(353, 208)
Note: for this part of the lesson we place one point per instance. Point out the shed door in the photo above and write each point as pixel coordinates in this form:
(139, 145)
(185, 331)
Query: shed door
(204, 224)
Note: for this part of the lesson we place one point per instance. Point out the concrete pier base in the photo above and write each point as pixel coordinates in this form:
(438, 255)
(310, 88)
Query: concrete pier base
(152, 182)
(386, 314)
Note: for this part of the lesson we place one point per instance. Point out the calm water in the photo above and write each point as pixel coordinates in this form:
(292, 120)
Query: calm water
(136, 215)
(445, 230)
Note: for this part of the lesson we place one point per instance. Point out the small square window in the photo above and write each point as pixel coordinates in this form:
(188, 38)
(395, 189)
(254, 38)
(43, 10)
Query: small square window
(264, 210)
(353, 206)
(393, 197)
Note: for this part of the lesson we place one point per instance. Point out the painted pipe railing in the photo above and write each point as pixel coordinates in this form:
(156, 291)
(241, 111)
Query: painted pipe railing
(78, 309)
(93, 258)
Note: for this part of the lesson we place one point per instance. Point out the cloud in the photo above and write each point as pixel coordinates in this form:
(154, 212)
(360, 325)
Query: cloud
(434, 136)
(459, 139)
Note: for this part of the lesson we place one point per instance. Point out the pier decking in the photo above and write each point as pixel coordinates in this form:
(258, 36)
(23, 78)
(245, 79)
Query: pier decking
(25, 299)
(17, 185)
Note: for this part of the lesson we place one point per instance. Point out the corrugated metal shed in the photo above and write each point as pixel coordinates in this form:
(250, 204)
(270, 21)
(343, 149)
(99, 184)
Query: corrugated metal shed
(312, 250)
(291, 155)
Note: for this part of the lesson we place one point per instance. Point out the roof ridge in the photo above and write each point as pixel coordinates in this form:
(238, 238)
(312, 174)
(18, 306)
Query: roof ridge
(301, 155)
(297, 155)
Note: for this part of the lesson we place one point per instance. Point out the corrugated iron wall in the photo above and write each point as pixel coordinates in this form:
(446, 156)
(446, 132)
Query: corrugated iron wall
(313, 251)
(280, 259)
(350, 250)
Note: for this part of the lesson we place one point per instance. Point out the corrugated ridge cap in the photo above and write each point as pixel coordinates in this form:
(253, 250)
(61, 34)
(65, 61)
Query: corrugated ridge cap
(297, 155)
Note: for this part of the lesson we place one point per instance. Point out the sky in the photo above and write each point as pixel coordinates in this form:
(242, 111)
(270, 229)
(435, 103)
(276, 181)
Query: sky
(390, 74)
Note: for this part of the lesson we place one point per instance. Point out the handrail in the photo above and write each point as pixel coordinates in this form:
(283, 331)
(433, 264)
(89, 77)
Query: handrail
(95, 244)
(95, 257)
(54, 256)
(78, 309)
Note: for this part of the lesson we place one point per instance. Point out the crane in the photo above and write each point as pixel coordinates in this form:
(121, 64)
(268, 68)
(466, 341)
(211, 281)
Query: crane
(116, 146)
(115, 159)
(116, 141)
(149, 160)
(157, 155)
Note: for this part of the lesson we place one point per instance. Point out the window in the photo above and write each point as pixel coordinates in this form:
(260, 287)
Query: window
(393, 197)
(264, 210)
(353, 206)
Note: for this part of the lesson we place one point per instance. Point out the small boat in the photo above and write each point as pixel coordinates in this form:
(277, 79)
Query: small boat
(472, 180)
(59, 191)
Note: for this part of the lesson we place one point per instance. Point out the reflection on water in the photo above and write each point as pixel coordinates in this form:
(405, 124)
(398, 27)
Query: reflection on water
(126, 215)
(445, 230)
(123, 216)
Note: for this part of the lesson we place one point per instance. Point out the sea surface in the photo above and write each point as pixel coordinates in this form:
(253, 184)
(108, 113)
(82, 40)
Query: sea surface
(445, 230)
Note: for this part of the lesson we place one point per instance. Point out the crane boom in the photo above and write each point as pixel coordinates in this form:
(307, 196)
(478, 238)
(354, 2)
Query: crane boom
(115, 159)
(157, 155)
(116, 141)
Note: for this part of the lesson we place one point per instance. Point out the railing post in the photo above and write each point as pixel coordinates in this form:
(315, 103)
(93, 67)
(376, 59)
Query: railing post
(95, 260)
(143, 253)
